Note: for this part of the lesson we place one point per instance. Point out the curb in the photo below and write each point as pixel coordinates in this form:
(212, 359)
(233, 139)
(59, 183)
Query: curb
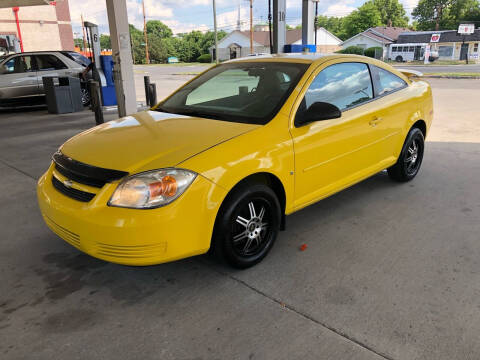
(450, 77)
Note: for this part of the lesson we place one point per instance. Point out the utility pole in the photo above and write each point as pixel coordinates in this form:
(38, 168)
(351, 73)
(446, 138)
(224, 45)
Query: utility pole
(147, 55)
(215, 30)
(251, 26)
(270, 25)
(84, 36)
(315, 22)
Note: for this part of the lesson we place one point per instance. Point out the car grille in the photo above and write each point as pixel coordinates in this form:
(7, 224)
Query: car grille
(71, 192)
(84, 173)
(68, 236)
(133, 251)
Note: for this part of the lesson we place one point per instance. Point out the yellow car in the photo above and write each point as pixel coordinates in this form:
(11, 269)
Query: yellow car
(219, 163)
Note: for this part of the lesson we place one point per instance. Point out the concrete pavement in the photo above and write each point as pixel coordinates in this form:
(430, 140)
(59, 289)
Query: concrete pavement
(391, 270)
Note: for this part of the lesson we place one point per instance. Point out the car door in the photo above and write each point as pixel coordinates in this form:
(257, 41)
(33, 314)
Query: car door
(393, 109)
(50, 65)
(18, 78)
(333, 154)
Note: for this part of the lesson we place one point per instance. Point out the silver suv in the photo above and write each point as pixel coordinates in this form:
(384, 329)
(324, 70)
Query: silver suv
(21, 74)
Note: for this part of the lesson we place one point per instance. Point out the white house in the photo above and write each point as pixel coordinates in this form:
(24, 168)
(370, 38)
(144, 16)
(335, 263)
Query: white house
(380, 36)
(326, 41)
(237, 43)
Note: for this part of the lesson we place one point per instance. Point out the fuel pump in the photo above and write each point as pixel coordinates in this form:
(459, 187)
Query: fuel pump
(102, 70)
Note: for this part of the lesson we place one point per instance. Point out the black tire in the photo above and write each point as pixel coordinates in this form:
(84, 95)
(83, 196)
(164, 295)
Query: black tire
(85, 96)
(242, 238)
(410, 159)
(399, 59)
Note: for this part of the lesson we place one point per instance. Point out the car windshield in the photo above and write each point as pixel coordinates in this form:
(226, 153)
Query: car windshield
(78, 58)
(248, 92)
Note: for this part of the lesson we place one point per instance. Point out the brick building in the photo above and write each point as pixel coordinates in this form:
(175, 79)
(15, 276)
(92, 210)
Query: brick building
(44, 27)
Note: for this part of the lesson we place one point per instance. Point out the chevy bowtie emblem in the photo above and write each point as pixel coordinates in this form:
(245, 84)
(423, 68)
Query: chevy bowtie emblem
(68, 183)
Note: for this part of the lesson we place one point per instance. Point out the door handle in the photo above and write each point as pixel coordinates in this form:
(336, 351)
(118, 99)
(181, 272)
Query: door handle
(375, 121)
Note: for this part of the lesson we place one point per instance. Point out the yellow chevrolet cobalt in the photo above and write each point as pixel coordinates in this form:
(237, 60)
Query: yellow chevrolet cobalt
(218, 164)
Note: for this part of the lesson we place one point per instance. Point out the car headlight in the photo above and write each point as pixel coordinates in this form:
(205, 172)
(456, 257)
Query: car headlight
(152, 189)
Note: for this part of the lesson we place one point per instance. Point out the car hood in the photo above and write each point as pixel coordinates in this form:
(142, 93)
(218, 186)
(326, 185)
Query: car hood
(149, 140)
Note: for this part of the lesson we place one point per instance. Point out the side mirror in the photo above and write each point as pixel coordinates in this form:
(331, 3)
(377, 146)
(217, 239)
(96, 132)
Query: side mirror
(316, 112)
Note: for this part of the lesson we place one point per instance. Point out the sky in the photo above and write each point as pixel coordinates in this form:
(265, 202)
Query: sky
(186, 15)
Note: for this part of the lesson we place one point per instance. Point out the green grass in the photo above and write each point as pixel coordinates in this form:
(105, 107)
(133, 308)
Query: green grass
(437, 63)
(455, 74)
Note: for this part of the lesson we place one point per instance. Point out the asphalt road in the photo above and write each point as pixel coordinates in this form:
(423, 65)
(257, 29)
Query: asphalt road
(169, 78)
(391, 271)
(166, 77)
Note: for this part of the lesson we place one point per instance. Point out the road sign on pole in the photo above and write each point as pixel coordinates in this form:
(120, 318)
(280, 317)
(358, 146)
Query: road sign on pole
(466, 29)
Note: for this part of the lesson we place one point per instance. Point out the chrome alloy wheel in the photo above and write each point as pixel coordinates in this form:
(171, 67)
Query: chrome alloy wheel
(412, 157)
(252, 228)
(85, 96)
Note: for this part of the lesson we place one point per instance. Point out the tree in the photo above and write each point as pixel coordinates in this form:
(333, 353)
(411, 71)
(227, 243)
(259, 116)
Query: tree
(461, 11)
(158, 49)
(138, 45)
(208, 40)
(445, 14)
(430, 14)
(105, 42)
(366, 16)
(78, 43)
(333, 24)
(392, 13)
(157, 28)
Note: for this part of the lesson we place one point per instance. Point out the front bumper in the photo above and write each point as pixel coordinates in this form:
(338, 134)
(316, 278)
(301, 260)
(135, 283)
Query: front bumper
(132, 236)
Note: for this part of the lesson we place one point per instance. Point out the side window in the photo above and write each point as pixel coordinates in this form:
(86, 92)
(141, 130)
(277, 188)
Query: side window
(386, 82)
(343, 85)
(49, 62)
(18, 64)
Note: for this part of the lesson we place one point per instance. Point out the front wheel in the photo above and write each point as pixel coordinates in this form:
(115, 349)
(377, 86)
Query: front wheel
(247, 226)
(410, 159)
(85, 96)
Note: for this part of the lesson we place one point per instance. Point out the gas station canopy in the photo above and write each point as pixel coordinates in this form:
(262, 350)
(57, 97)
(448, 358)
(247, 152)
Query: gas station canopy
(14, 3)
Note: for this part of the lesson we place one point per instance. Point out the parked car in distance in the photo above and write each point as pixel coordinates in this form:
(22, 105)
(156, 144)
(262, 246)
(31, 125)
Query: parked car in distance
(219, 163)
(21, 75)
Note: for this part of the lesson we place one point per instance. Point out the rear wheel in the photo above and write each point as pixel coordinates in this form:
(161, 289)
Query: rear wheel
(410, 159)
(85, 96)
(247, 226)
(399, 59)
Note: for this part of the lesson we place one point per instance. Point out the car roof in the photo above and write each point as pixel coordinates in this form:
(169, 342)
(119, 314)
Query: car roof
(307, 58)
(38, 52)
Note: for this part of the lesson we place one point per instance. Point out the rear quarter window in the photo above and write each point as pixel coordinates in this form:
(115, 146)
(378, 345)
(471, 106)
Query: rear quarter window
(385, 81)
